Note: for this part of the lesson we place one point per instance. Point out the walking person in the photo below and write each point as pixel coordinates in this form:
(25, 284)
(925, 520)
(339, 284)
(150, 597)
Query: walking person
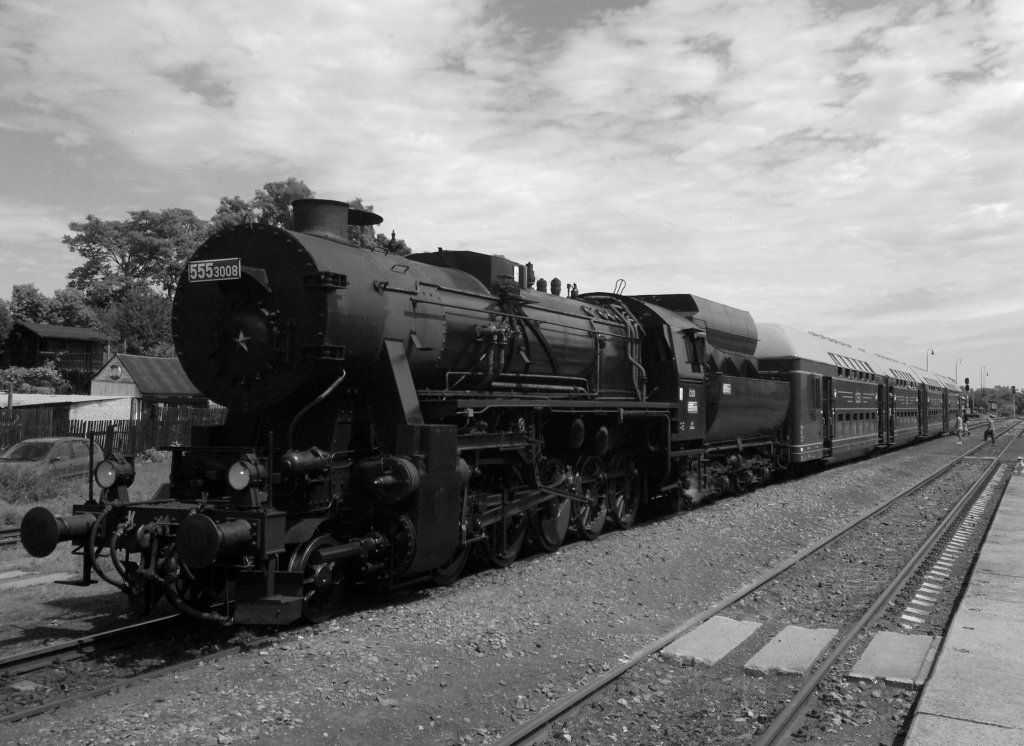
(990, 430)
(959, 431)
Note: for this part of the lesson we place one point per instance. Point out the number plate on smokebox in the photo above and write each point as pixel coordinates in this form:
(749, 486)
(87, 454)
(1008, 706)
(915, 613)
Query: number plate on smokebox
(215, 269)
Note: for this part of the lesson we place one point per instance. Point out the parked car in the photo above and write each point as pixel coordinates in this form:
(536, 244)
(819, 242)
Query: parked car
(65, 458)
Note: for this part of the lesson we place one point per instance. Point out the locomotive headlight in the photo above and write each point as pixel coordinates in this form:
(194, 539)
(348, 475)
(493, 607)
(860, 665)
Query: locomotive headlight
(114, 471)
(239, 475)
(242, 474)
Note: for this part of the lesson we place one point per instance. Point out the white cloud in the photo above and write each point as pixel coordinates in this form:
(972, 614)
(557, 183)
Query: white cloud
(804, 163)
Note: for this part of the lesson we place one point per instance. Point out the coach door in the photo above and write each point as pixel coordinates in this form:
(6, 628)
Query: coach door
(885, 415)
(828, 416)
(947, 425)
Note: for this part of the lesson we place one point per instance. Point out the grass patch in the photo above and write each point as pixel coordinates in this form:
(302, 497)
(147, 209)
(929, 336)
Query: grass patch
(21, 492)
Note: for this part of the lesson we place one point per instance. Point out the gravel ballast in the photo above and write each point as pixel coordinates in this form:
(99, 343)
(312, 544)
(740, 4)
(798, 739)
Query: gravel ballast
(464, 664)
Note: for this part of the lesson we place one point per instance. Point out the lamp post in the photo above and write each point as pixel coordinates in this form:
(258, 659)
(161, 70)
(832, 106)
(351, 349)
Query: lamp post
(931, 351)
(981, 377)
(956, 372)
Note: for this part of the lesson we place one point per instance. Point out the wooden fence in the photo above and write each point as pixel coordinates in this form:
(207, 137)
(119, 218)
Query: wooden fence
(172, 427)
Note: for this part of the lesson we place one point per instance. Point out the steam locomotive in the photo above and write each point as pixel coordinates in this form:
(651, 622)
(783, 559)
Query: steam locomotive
(388, 416)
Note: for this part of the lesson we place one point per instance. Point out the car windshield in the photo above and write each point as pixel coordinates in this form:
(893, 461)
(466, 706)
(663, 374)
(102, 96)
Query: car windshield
(28, 451)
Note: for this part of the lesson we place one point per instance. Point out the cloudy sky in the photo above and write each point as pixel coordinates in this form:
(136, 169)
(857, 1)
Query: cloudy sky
(843, 166)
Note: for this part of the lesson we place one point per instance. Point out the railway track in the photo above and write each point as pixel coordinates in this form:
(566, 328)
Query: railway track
(31, 670)
(590, 703)
(9, 536)
(970, 456)
(50, 676)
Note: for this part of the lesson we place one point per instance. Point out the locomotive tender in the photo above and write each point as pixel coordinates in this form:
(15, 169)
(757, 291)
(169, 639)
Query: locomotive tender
(388, 415)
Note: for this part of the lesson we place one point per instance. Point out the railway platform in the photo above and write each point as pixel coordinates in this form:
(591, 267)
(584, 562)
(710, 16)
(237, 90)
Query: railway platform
(975, 694)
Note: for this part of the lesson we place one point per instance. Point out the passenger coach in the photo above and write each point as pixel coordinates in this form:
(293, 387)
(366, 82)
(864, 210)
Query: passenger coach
(846, 402)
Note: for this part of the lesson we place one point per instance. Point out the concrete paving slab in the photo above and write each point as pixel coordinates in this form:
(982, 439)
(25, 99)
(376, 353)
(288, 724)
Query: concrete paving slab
(929, 730)
(900, 660)
(1001, 556)
(965, 686)
(710, 642)
(989, 627)
(792, 651)
(1009, 588)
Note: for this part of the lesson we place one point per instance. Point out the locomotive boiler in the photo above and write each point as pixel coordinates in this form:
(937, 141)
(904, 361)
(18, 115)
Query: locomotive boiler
(389, 416)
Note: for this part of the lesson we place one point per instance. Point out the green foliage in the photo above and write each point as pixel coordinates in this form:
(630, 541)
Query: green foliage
(1000, 396)
(25, 379)
(391, 244)
(150, 248)
(6, 321)
(70, 307)
(270, 205)
(141, 320)
(67, 307)
(364, 235)
(28, 303)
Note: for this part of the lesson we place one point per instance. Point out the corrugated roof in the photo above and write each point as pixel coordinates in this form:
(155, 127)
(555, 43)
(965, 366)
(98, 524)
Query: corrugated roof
(158, 376)
(51, 331)
(31, 400)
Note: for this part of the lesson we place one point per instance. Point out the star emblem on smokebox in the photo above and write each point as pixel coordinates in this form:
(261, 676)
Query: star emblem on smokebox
(241, 340)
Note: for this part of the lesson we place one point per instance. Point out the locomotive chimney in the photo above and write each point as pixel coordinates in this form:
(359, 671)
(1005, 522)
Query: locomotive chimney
(329, 218)
(326, 218)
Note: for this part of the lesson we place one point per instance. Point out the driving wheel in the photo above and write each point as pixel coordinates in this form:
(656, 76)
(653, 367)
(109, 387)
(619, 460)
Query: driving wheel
(591, 510)
(623, 491)
(321, 582)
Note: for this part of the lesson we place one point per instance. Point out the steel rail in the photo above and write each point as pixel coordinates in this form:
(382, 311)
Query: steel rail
(783, 723)
(35, 658)
(531, 729)
(126, 683)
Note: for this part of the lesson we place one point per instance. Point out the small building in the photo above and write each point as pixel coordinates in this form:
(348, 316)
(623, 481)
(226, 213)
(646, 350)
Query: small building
(152, 383)
(77, 353)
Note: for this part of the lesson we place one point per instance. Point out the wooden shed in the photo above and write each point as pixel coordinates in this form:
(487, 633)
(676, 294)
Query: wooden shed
(153, 383)
(76, 353)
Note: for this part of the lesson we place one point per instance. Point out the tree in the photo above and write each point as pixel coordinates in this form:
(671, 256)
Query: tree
(270, 205)
(70, 307)
(231, 211)
(391, 244)
(149, 248)
(29, 304)
(6, 322)
(273, 202)
(175, 234)
(364, 235)
(141, 320)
